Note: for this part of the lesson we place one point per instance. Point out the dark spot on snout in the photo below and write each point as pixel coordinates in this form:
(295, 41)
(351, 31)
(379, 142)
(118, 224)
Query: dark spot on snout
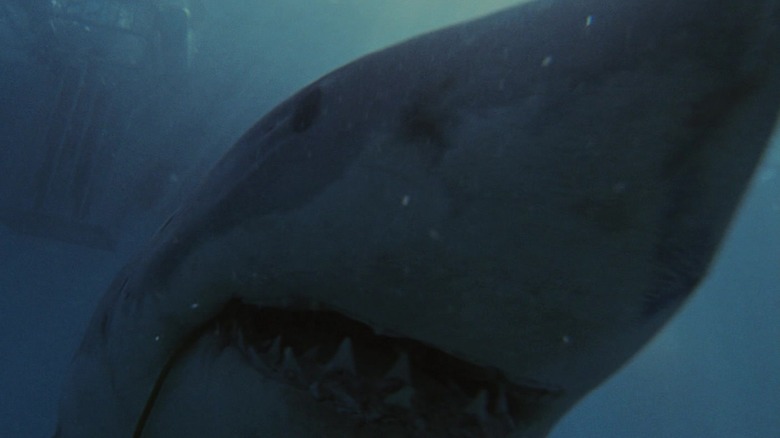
(307, 110)
(425, 127)
(710, 111)
(706, 117)
(425, 122)
(422, 124)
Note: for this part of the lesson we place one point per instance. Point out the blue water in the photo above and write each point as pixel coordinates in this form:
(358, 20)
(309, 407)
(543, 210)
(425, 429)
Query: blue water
(712, 372)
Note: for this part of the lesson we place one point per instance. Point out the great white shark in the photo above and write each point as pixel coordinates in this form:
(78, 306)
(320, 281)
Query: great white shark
(458, 236)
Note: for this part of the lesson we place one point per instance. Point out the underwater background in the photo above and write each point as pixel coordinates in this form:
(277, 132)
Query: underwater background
(140, 110)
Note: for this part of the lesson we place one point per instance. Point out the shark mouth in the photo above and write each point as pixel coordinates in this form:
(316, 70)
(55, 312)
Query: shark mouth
(376, 377)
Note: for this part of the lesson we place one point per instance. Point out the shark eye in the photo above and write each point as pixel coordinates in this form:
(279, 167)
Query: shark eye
(306, 107)
(307, 110)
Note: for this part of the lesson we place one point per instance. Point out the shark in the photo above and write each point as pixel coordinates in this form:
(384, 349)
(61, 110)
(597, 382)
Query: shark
(457, 236)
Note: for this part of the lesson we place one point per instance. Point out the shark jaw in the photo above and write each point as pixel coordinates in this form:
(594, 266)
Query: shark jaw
(370, 376)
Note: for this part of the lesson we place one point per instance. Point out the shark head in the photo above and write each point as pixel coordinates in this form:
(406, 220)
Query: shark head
(460, 235)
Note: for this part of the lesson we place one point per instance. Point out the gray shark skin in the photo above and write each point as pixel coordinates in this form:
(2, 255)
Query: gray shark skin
(460, 235)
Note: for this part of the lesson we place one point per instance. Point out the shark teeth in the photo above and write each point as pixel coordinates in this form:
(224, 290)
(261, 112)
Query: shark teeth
(400, 370)
(479, 406)
(275, 351)
(343, 360)
(502, 407)
(290, 367)
(381, 378)
(392, 394)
